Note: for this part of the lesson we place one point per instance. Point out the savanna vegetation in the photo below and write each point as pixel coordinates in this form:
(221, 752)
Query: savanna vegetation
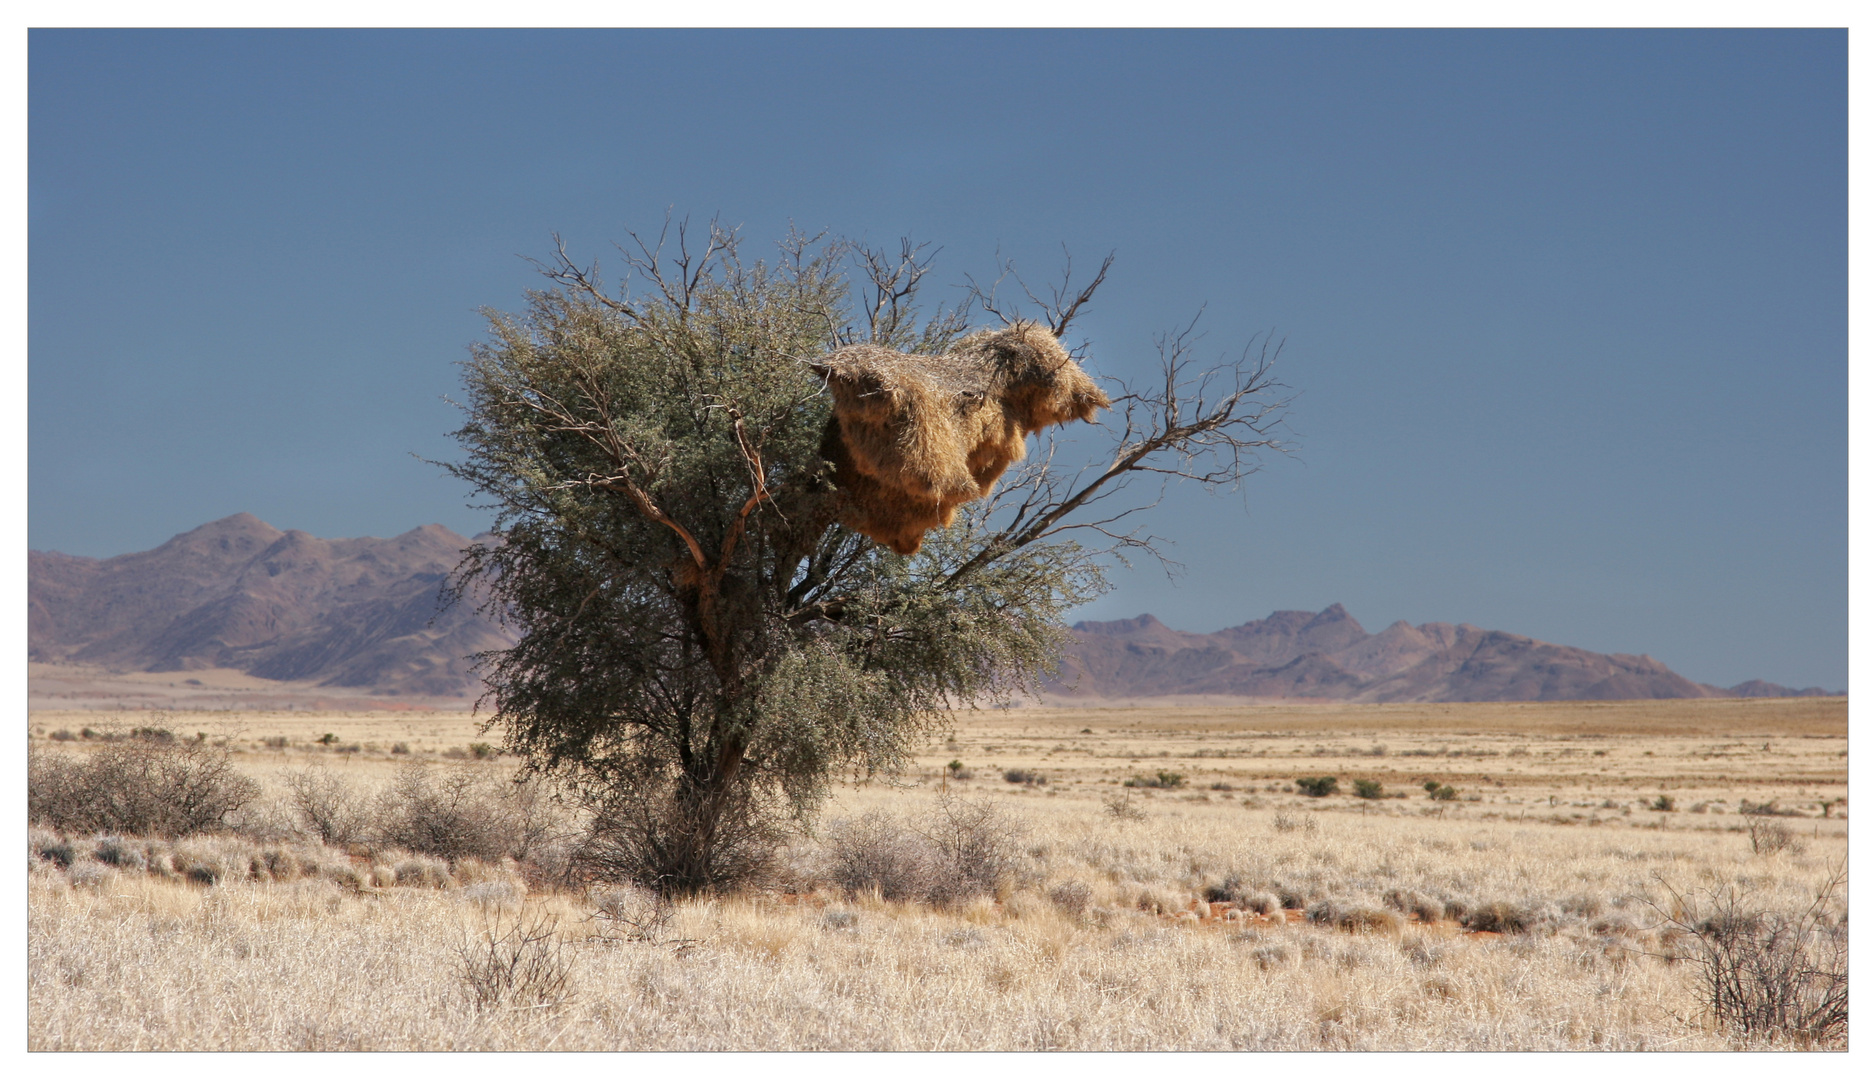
(1551, 904)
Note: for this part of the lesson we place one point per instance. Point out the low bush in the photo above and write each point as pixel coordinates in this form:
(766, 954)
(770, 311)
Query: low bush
(517, 964)
(1072, 897)
(646, 831)
(1763, 972)
(1316, 786)
(462, 813)
(1026, 777)
(1663, 803)
(1767, 835)
(1284, 823)
(1162, 779)
(1368, 789)
(326, 806)
(963, 850)
(1440, 792)
(1122, 808)
(876, 853)
(977, 849)
(1411, 902)
(144, 785)
(1498, 917)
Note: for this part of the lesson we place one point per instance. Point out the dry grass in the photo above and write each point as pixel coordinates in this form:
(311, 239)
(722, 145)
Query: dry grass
(1105, 932)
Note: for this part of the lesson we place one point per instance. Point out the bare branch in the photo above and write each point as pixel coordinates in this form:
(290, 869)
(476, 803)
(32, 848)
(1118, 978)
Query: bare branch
(1190, 427)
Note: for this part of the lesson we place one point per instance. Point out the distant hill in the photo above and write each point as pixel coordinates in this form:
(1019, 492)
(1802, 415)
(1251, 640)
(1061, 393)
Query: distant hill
(1327, 656)
(239, 593)
(362, 614)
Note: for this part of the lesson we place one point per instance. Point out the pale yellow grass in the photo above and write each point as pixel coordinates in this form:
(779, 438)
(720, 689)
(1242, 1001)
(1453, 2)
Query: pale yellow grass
(121, 962)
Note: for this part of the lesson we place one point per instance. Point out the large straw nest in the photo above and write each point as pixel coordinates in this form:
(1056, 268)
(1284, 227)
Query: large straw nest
(915, 437)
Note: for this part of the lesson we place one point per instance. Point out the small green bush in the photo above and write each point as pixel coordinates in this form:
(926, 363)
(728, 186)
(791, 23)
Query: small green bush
(1663, 803)
(1317, 786)
(1439, 791)
(1163, 779)
(1368, 789)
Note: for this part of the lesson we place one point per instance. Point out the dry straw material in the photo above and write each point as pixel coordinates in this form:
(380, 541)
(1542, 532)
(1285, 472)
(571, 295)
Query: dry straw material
(914, 437)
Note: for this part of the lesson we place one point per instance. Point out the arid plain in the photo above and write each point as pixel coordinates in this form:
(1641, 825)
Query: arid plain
(1170, 887)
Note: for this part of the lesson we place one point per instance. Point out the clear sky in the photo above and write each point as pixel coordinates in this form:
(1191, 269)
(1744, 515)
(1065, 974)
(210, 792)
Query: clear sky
(1565, 311)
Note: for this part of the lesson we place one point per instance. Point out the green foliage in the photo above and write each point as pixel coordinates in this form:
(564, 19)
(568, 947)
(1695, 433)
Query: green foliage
(701, 647)
(1317, 786)
(1368, 789)
(1440, 792)
(1163, 779)
(1663, 803)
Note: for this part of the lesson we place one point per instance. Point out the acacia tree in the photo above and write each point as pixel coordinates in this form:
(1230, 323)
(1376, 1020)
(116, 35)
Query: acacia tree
(702, 646)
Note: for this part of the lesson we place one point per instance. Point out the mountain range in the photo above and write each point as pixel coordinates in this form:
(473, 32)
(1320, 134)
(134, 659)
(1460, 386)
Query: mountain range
(239, 593)
(363, 614)
(1327, 656)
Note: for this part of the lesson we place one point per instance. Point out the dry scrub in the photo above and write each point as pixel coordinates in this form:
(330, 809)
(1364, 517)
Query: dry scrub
(1225, 914)
(1103, 939)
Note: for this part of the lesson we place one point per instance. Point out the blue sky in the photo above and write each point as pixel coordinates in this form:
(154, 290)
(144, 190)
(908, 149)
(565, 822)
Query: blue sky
(1565, 311)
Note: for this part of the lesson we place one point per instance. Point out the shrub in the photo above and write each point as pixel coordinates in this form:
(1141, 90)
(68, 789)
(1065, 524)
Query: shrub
(1766, 973)
(1316, 786)
(1440, 792)
(1413, 903)
(275, 742)
(1663, 803)
(1768, 837)
(635, 915)
(142, 785)
(1261, 903)
(483, 751)
(1228, 891)
(1162, 779)
(115, 851)
(400, 748)
(669, 838)
(459, 815)
(1367, 920)
(422, 872)
(1368, 789)
(1073, 897)
(51, 847)
(62, 735)
(328, 739)
(326, 806)
(977, 845)
(1025, 777)
(1323, 912)
(519, 964)
(1118, 806)
(965, 850)
(876, 853)
(1498, 917)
